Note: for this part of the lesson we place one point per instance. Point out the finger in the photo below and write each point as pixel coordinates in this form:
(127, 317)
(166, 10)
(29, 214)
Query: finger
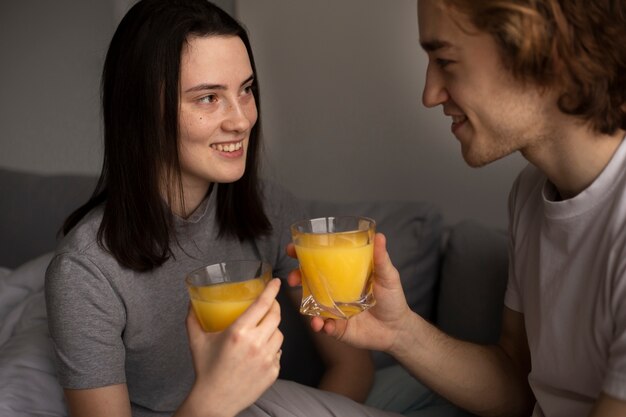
(276, 362)
(381, 256)
(193, 325)
(330, 327)
(291, 250)
(386, 273)
(335, 328)
(269, 324)
(257, 310)
(294, 279)
(317, 323)
(274, 345)
(275, 342)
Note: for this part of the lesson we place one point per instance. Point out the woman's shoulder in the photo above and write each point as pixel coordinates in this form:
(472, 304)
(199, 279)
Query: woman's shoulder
(80, 260)
(82, 238)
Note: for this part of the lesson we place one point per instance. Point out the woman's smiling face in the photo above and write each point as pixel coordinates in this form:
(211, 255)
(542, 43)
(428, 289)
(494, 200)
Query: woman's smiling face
(217, 111)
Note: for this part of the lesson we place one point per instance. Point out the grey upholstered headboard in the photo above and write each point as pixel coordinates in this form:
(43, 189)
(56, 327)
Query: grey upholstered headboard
(32, 210)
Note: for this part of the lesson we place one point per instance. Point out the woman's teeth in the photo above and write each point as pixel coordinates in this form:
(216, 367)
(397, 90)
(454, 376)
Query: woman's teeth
(227, 147)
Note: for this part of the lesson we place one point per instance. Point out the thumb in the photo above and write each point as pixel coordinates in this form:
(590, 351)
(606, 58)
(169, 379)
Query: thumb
(194, 330)
(386, 274)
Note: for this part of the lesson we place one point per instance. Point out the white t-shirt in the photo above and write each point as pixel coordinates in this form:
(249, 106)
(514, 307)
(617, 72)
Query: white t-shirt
(567, 275)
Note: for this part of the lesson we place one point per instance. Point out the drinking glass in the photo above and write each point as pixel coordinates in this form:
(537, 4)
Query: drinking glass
(220, 292)
(336, 262)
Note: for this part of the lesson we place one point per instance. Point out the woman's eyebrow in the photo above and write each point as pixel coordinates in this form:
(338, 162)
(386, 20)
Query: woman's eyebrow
(206, 86)
(247, 80)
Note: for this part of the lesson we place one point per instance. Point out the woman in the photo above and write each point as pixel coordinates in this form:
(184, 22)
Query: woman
(179, 189)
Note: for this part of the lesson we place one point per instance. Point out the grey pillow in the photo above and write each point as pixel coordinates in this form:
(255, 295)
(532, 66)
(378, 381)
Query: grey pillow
(413, 230)
(473, 280)
(32, 210)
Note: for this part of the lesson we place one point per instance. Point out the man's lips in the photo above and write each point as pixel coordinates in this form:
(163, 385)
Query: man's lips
(457, 121)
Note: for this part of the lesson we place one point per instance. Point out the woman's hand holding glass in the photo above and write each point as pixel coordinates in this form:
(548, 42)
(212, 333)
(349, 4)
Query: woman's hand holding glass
(235, 366)
(379, 327)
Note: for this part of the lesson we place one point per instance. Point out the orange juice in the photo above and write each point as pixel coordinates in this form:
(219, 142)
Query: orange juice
(336, 269)
(218, 305)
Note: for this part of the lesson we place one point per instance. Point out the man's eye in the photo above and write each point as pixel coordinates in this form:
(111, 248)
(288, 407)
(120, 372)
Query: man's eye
(442, 62)
(211, 98)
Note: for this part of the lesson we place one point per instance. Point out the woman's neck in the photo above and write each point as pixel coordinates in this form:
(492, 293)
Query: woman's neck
(191, 196)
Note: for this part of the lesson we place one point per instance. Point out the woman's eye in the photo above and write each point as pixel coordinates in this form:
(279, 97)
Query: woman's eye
(211, 98)
(248, 89)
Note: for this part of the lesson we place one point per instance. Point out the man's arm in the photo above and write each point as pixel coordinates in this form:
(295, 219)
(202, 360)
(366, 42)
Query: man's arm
(486, 380)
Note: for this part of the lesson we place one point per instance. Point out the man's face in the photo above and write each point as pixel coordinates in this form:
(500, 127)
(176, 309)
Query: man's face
(492, 113)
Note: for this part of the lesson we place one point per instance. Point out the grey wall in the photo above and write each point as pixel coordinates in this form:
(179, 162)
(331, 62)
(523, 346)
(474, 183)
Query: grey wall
(341, 87)
(52, 54)
(341, 84)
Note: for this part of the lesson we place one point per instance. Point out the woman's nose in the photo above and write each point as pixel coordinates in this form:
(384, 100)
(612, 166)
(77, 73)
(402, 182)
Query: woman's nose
(435, 91)
(237, 118)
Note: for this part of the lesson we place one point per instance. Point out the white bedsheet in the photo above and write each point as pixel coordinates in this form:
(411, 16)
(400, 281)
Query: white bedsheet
(28, 383)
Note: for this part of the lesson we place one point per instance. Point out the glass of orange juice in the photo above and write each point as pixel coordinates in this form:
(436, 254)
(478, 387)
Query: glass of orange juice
(336, 261)
(220, 292)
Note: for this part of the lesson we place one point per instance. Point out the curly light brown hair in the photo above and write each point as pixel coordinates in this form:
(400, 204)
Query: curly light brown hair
(577, 46)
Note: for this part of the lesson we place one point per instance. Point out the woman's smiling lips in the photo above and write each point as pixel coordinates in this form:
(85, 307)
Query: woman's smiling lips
(228, 149)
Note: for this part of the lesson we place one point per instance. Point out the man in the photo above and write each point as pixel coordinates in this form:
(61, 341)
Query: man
(546, 78)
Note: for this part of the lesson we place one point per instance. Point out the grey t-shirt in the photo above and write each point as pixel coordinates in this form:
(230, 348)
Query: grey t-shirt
(112, 325)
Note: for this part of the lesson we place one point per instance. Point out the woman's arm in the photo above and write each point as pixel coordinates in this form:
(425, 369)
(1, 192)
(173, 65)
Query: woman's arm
(607, 406)
(349, 371)
(232, 368)
(99, 402)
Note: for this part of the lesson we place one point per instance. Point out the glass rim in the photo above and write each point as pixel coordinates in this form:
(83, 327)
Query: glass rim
(294, 225)
(263, 266)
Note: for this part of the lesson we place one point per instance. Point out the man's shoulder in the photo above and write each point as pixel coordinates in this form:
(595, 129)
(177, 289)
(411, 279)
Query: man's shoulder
(530, 177)
(529, 182)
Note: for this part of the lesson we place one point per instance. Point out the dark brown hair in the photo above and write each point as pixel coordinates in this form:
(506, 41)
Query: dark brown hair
(576, 46)
(140, 104)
